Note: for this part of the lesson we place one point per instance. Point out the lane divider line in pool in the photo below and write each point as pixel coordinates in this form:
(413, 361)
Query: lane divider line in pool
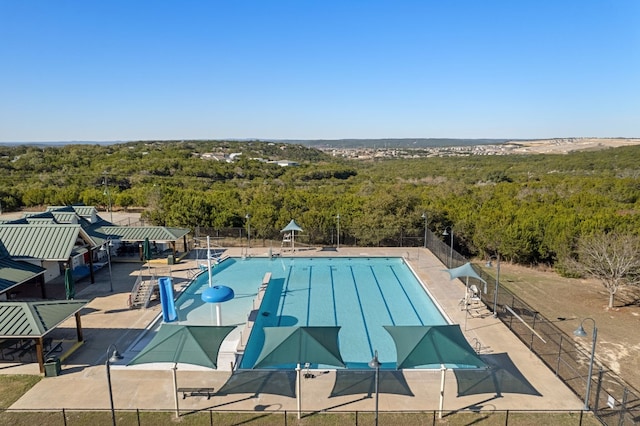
(333, 297)
(386, 305)
(285, 292)
(309, 294)
(404, 291)
(364, 320)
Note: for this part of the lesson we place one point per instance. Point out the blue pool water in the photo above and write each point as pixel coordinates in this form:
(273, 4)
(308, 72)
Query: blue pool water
(361, 295)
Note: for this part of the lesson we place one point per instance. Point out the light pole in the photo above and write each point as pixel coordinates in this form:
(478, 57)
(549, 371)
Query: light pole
(338, 222)
(449, 231)
(495, 293)
(424, 216)
(248, 217)
(581, 333)
(108, 244)
(374, 363)
(115, 356)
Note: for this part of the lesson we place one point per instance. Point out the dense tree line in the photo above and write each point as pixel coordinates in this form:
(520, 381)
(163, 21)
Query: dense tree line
(531, 209)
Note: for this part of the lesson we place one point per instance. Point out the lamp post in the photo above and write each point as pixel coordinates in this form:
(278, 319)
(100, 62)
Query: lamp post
(424, 216)
(449, 231)
(581, 333)
(248, 217)
(338, 225)
(495, 293)
(375, 363)
(115, 356)
(108, 244)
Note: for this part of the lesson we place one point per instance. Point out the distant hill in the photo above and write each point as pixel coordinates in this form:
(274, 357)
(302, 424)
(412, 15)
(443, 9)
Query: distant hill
(551, 145)
(392, 143)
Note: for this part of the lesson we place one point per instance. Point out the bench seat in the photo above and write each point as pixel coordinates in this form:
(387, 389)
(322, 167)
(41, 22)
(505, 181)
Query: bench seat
(208, 392)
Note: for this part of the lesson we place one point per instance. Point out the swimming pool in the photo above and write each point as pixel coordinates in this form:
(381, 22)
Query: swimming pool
(361, 295)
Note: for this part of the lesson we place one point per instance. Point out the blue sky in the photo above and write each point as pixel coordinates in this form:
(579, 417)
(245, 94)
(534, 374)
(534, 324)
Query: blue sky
(141, 70)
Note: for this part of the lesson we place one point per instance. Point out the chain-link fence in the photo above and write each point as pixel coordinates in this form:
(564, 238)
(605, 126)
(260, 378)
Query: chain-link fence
(612, 400)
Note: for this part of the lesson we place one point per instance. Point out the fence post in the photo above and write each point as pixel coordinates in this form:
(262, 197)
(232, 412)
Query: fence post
(356, 418)
(64, 417)
(285, 417)
(506, 418)
(598, 388)
(623, 406)
(513, 305)
(559, 355)
(211, 417)
(533, 327)
(138, 416)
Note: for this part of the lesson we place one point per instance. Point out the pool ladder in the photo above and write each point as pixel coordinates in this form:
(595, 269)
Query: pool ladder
(478, 346)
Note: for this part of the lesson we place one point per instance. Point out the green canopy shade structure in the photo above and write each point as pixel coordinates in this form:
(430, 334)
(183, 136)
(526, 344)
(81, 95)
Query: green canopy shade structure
(466, 271)
(291, 228)
(419, 345)
(188, 344)
(299, 345)
(69, 285)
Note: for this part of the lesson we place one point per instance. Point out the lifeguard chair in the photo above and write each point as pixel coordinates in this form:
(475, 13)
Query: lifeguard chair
(286, 239)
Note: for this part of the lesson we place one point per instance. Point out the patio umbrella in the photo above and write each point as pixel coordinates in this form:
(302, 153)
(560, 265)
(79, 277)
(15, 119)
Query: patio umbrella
(418, 345)
(299, 345)
(146, 249)
(146, 253)
(502, 376)
(69, 284)
(188, 344)
(292, 227)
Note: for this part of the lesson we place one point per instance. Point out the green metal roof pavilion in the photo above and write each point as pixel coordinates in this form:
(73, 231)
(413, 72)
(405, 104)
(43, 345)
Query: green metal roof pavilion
(33, 320)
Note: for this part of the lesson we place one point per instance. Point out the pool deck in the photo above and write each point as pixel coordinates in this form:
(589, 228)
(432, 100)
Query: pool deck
(82, 383)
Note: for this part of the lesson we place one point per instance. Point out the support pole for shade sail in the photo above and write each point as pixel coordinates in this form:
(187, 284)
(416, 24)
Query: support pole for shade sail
(175, 387)
(298, 389)
(218, 314)
(443, 369)
(209, 263)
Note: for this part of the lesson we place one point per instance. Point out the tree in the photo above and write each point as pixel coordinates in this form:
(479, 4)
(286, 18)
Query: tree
(614, 259)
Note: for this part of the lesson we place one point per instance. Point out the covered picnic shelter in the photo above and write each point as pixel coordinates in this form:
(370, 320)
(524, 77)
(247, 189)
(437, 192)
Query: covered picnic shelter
(24, 326)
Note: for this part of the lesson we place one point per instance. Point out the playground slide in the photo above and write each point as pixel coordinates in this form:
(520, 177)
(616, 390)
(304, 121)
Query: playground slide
(169, 313)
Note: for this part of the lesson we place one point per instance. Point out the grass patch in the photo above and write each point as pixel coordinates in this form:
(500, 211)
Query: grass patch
(12, 387)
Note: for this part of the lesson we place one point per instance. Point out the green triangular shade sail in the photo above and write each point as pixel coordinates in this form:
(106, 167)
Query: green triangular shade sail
(465, 270)
(299, 345)
(428, 345)
(292, 226)
(188, 344)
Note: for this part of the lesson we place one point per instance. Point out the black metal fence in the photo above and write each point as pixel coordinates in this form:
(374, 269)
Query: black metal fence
(212, 417)
(613, 401)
